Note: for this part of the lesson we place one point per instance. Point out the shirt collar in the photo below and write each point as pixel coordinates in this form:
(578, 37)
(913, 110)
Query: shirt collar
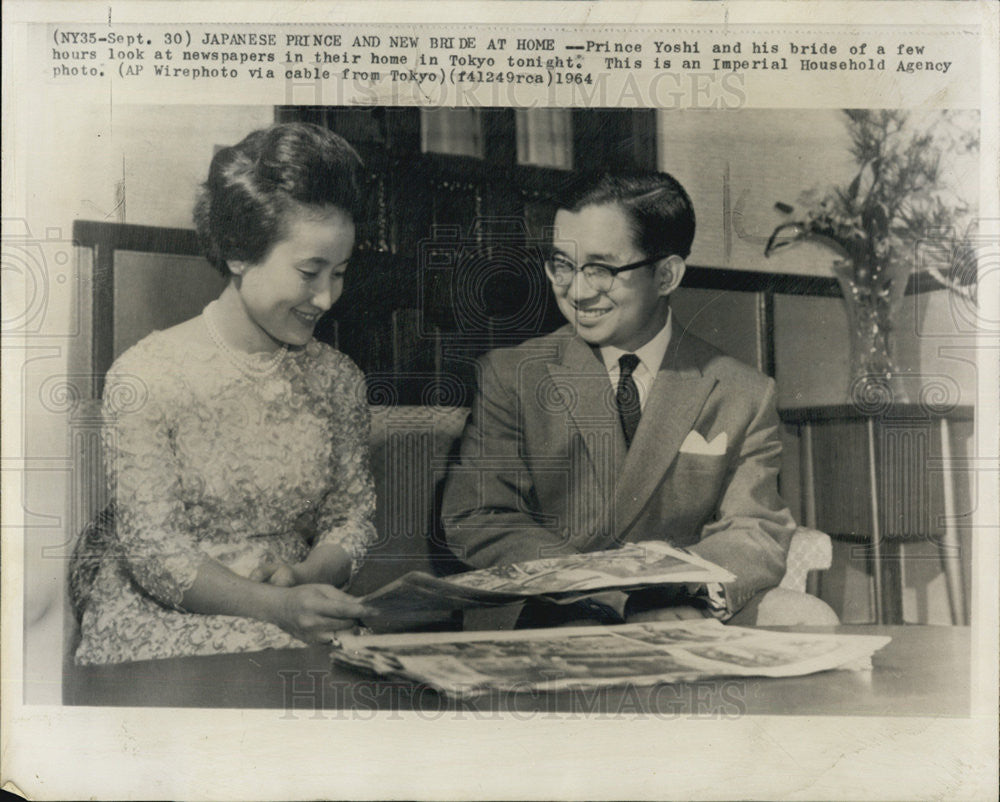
(650, 355)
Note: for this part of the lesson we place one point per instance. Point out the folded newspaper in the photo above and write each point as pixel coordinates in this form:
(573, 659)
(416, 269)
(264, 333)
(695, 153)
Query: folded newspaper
(468, 664)
(419, 597)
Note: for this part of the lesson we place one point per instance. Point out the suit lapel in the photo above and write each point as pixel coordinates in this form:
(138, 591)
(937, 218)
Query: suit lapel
(582, 383)
(675, 401)
(628, 477)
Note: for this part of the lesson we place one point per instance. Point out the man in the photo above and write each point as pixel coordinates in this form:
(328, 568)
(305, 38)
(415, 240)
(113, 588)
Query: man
(621, 426)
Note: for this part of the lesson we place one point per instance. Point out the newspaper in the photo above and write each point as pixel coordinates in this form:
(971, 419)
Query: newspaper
(420, 598)
(470, 664)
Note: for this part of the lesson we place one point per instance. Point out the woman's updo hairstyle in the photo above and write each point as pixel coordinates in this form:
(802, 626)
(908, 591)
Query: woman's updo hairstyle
(240, 212)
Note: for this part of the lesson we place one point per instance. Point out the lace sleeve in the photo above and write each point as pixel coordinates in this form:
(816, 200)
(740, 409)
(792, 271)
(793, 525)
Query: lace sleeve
(345, 516)
(142, 471)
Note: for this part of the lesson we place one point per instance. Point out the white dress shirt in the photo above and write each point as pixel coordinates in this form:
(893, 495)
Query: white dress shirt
(650, 358)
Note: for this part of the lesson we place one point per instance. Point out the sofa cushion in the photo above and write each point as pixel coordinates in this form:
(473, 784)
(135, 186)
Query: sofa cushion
(411, 448)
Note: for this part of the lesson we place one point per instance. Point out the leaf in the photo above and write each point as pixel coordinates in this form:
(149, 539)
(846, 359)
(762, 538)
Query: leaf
(790, 233)
(875, 220)
(864, 182)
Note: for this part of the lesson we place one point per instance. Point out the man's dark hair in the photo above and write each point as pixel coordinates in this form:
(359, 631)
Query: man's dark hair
(660, 210)
(240, 214)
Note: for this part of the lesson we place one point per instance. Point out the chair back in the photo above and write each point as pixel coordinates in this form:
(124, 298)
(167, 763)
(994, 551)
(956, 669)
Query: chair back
(411, 449)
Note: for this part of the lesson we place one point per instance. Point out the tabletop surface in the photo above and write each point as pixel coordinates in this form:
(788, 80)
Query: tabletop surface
(889, 413)
(924, 671)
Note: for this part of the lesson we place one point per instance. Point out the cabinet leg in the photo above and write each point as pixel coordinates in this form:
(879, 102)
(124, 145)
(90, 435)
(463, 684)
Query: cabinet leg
(876, 540)
(950, 547)
(892, 583)
(808, 472)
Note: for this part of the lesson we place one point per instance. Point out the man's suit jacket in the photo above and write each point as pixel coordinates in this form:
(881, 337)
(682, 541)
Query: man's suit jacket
(545, 470)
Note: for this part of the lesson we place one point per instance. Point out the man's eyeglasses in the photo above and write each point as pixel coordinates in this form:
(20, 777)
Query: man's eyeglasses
(599, 276)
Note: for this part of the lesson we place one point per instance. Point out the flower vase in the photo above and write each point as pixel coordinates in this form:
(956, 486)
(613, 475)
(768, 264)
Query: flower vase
(875, 380)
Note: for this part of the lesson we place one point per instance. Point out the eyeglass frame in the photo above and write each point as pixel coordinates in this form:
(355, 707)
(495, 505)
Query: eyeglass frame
(614, 271)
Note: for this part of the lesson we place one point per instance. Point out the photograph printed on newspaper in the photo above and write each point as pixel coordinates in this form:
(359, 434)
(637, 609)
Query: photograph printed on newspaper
(421, 597)
(591, 657)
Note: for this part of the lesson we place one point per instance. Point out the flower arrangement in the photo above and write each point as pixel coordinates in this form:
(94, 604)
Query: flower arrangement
(897, 217)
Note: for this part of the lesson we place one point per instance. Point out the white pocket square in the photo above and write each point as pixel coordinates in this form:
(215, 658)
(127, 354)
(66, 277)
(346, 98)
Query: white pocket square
(694, 443)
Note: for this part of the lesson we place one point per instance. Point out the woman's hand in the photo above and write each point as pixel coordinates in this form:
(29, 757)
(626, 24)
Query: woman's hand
(275, 572)
(327, 564)
(312, 613)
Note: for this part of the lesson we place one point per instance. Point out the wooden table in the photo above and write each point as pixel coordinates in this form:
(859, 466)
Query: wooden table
(924, 671)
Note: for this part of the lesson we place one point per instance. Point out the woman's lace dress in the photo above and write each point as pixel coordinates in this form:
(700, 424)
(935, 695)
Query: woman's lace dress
(206, 459)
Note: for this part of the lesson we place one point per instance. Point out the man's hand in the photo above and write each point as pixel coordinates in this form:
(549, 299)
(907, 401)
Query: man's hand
(679, 613)
(607, 607)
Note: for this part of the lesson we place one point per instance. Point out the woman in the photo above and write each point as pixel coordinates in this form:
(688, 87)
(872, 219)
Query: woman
(236, 444)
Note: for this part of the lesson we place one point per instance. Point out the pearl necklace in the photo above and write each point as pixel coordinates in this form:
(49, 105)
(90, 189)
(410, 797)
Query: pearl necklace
(248, 364)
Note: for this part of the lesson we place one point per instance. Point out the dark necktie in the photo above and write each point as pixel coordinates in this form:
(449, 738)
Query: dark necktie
(627, 397)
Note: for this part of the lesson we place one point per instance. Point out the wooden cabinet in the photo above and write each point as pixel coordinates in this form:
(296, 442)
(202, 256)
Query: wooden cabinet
(885, 477)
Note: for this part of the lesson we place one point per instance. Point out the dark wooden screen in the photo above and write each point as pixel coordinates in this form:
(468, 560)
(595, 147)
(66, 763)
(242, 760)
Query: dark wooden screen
(450, 250)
